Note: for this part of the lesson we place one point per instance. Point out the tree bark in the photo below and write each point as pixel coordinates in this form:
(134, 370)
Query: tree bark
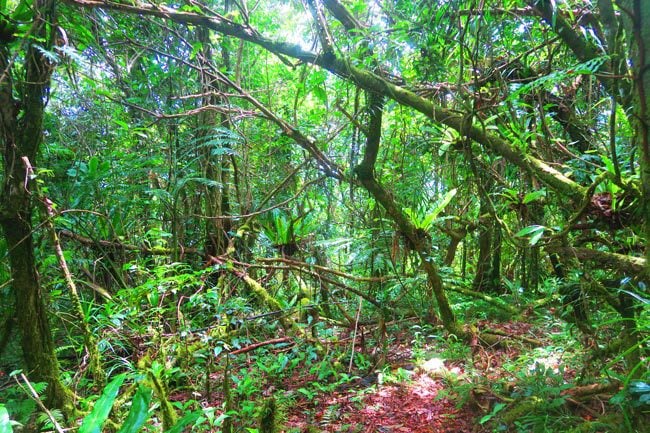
(641, 59)
(638, 26)
(21, 134)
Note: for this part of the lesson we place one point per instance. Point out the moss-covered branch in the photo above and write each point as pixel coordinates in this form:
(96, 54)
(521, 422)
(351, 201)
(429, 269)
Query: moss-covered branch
(627, 264)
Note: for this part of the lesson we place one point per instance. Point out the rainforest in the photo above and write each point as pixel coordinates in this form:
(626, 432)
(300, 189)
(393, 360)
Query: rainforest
(271, 216)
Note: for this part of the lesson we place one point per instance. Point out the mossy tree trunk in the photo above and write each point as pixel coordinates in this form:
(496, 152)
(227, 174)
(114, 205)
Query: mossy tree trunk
(214, 160)
(421, 244)
(21, 122)
(637, 25)
(641, 59)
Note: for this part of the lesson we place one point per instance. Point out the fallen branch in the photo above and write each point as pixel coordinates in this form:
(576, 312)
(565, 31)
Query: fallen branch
(592, 389)
(154, 251)
(497, 302)
(261, 344)
(259, 291)
(298, 264)
(619, 262)
(319, 277)
(530, 341)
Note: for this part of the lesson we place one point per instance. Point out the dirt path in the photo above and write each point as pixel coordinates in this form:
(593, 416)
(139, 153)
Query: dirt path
(411, 406)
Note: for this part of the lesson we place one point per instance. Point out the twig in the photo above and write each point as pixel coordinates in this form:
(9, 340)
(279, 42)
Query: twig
(34, 396)
(354, 336)
(298, 264)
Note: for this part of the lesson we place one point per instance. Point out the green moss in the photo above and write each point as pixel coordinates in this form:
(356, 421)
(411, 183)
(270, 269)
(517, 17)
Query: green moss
(271, 416)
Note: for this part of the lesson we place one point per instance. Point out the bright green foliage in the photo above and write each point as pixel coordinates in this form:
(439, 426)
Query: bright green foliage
(94, 421)
(5, 422)
(139, 412)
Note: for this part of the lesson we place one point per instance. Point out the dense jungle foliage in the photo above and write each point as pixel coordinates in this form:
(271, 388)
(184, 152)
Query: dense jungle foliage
(325, 215)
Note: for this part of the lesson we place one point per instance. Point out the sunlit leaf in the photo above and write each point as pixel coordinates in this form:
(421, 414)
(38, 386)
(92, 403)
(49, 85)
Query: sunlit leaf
(186, 421)
(94, 421)
(5, 422)
(532, 196)
(139, 412)
(533, 232)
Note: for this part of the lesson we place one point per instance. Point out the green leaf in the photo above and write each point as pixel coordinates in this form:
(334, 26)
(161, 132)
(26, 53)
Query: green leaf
(93, 422)
(93, 163)
(497, 407)
(5, 422)
(609, 165)
(188, 419)
(196, 47)
(443, 203)
(589, 67)
(532, 196)
(125, 126)
(139, 411)
(534, 232)
(320, 94)
(639, 387)
(23, 12)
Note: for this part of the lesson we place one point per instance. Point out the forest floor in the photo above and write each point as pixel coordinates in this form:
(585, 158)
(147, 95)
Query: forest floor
(410, 397)
(424, 395)
(427, 384)
(413, 407)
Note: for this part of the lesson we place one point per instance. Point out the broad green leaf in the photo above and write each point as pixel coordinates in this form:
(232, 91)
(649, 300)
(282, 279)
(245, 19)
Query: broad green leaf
(609, 165)
(5, 422)
(528, 230)
(497, 408)
(639, 387)
(188, 419)
(125, 126)
(23, 12)
(139, 412)
(320, 94)
(532, 196)
(93, 422)
(93, 163)
(636, 296)
(196, 47)
(533, 232)
(443, 203)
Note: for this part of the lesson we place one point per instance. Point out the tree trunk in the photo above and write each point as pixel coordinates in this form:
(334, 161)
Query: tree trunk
(215, 164)
(38, 348)
(638, 27)
(21, 134)
(455, 237)
(481, 281)
(420, 243)
(641, 60)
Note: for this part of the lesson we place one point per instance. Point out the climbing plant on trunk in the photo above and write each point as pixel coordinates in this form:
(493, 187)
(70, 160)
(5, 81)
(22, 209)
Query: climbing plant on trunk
(24, 92)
